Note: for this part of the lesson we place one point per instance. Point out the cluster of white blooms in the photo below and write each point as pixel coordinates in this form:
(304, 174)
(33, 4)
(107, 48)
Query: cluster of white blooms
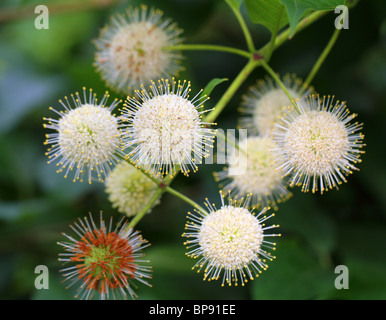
(295, 138)
(254, 170)
(306, 142)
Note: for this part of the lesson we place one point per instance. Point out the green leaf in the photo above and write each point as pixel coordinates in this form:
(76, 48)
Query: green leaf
(211, 85)
(267, 13)
(297, 8)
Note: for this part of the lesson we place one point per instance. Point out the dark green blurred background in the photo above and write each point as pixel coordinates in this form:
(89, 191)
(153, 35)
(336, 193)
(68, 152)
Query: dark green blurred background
(348, 226)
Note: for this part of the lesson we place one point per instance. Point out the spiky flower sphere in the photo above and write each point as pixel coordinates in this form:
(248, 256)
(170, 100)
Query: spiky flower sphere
(230, 239)
(129, 190)
(105, 260)
(263, 103)
(165, 128)
(316, 144)
(130, 51)
(252, 171)
(87, 136)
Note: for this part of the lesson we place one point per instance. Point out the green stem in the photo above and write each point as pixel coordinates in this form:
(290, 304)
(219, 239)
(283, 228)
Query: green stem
(186, 199)
(163, 185)
(321, 59)
(209, 47)
(244, 28)
(277, 79)
(148, 206)
(274, 34)
(237, 82)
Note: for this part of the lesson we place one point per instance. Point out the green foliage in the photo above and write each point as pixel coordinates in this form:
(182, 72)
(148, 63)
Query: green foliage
(211, 85)
(267, 13)
(297, 8)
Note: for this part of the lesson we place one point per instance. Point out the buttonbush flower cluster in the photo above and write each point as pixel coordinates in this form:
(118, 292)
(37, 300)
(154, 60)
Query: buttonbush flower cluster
(137, 144)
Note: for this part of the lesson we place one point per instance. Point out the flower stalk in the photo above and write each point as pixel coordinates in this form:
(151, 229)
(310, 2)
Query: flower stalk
(321, 59)
(208, 47)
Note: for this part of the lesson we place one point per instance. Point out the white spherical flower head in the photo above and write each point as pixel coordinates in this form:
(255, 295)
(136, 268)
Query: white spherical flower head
(165, 129)
(252, 171)
(264, 102)
(131, 50)
(233, 231)
(316, 144)
(230, 239)
(129, 190)
(87, 137)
